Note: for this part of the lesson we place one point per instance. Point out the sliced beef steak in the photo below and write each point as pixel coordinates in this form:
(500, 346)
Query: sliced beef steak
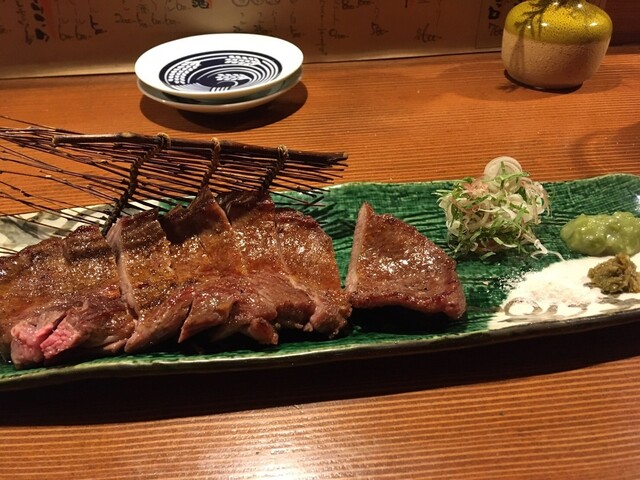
(209, 223)
(144, 267)
(99, 321)
(309, 260)
(30, 278)
(201, 284)
(81, 314)
(157, 279)
(143, 259)
(253, 221)
(187, 256)
(195, 306)
(394, 264)
(253, 313)
(98, 324)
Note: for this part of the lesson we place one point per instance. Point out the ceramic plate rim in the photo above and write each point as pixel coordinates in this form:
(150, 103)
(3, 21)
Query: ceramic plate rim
(147, 67)
(128, 367)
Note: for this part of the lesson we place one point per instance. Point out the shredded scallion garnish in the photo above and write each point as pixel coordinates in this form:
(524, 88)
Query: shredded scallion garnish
(496, 212)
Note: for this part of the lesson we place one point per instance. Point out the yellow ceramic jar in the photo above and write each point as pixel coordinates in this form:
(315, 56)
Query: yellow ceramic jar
(555, 44)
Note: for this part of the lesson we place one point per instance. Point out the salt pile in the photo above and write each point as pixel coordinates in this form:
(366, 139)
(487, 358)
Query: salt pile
(560, 291)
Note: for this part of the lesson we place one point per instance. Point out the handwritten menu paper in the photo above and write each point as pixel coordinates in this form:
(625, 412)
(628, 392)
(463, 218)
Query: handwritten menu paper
(53, 37)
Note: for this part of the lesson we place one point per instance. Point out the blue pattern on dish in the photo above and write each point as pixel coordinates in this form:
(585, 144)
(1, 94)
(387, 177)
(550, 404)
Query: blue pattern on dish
(220, 71)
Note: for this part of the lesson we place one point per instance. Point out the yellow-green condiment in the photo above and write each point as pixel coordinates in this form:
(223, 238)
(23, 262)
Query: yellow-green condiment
(616, 275)
(600, 235)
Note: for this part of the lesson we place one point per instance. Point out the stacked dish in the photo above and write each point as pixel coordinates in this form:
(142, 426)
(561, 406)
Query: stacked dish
(219, 73)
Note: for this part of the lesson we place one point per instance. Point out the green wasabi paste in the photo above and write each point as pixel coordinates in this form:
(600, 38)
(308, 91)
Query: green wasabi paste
(600, 235)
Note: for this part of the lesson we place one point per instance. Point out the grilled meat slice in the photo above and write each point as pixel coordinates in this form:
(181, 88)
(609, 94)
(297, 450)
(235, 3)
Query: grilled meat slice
(187, 256)
(96, 325)
(253, 313)
(200, 306)
(209, 223)
(394, 264)
(84, 315)
(209, 287)
(99, 320)
(309, 260)
(144, 266)
(28, 278)
(143, 259)
(214, 303)
(253, 221)
(155, 279)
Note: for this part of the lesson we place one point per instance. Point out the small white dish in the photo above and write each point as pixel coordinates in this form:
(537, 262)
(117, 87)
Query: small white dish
(218, 66)
(220, 107)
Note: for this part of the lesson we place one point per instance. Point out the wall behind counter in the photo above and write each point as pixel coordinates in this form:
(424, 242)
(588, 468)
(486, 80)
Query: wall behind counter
(44, 38)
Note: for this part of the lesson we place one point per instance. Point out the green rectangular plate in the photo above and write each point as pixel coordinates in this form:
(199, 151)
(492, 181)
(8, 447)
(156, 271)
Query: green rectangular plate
(391, 332)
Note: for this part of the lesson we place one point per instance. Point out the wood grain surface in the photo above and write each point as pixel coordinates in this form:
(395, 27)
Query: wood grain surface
(561, 407)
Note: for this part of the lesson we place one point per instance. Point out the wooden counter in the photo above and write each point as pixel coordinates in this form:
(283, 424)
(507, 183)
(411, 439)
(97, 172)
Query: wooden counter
(555, 407)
